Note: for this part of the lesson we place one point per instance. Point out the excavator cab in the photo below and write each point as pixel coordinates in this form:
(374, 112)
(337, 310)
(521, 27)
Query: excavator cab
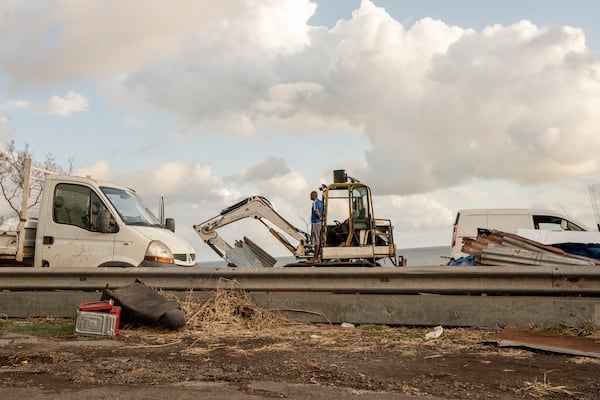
(350, 230)
(347, 215)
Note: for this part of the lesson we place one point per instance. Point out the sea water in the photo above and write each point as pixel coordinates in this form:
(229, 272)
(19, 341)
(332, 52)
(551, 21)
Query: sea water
(420, 256)
(425, 256)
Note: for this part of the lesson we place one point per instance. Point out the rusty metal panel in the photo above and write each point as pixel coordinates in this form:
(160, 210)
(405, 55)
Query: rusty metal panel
(501, 248)
(519, 256)
(581, 346)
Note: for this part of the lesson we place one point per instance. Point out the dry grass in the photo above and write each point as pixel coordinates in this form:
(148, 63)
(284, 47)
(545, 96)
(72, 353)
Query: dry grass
(544, 389)
(584, 329)
(584, 360)
(230, 311)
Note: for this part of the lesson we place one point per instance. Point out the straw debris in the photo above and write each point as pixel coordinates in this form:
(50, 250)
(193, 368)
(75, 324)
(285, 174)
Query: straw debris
(544, 389)
(231, 311)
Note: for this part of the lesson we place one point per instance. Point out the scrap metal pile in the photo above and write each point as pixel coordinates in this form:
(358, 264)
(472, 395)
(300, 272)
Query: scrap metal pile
(502, 248)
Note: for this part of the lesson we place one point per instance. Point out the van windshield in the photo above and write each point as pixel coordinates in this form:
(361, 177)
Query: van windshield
(130, 207)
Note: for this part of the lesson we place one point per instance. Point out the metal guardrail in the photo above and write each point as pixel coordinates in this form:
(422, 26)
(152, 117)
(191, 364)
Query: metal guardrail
(497, 280)
(451, 296)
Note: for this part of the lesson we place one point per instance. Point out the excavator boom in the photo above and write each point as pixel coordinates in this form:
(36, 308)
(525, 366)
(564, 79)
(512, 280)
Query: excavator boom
(246, 252)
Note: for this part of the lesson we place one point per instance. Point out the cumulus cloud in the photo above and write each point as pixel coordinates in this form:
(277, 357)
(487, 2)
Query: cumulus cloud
(70, 40)
(192, 182)
(415, 212)
(440, 105)
(273, 179)
(417, 219)
(66, 106)
(16, 105)
(271, 167)
(100, 169)
(506, 103)
(188, 181)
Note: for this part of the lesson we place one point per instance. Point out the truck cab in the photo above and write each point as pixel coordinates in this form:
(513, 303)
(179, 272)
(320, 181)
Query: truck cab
(87, 223)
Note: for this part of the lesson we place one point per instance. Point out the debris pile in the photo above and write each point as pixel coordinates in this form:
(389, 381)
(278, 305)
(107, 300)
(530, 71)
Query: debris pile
(141, 304)
(231, 309)
(502, 248)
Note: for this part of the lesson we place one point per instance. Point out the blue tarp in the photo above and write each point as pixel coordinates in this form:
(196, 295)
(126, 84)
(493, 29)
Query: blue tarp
(463, 261)
(591, 250)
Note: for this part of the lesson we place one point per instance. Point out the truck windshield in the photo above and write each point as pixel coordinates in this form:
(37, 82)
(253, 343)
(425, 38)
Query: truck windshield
(130, 207)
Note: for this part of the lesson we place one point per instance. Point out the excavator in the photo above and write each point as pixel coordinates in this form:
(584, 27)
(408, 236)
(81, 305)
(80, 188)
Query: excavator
(351, 235)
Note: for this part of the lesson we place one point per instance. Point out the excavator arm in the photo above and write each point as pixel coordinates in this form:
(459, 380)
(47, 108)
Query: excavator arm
(259, 208)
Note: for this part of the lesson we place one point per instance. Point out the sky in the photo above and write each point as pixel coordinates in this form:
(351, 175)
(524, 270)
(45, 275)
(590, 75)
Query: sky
(436, 105)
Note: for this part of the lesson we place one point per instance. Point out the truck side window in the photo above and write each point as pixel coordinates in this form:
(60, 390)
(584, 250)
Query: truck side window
(76, 205)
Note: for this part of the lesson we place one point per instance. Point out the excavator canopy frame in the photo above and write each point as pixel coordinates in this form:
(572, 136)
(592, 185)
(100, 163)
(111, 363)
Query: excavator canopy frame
(350, 230)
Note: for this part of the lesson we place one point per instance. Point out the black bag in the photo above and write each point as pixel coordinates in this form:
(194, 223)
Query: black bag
(143, 305)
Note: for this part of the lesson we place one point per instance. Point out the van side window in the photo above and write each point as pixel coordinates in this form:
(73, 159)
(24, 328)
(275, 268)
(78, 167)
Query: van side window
(573, 227)
(76, 205)
(552, 223)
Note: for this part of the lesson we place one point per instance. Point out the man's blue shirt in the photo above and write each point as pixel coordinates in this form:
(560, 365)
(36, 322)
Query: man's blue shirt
(317, 205)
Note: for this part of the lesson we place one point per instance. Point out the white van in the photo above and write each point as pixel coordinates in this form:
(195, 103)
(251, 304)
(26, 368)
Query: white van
(507, 220)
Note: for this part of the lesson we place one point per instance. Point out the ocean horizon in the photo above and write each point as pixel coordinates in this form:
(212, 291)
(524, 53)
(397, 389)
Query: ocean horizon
(416, 256)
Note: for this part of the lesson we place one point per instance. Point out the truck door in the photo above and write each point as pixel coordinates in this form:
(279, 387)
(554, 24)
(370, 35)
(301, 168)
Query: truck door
(71, 238)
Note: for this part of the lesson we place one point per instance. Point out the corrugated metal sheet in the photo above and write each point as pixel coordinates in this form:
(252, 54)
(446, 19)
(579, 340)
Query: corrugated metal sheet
(501, 255)
(555, 343)
(248, 254)
(502, 248)
(265, 258)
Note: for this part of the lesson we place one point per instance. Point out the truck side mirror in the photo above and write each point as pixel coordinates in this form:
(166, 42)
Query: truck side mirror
(170, 224)
(103, 221)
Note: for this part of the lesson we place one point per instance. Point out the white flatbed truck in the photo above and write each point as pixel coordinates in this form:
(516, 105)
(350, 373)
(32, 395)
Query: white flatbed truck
(82, 222)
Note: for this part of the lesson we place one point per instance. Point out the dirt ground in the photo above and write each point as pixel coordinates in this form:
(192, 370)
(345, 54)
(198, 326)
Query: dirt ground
(230, 343)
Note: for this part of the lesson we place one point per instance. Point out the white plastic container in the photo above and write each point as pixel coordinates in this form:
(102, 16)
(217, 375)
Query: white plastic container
(91, 323)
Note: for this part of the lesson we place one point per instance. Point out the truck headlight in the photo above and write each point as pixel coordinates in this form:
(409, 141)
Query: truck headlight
(159, 252)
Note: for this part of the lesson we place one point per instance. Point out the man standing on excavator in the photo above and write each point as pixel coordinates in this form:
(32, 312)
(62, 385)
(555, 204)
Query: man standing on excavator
(316, 216)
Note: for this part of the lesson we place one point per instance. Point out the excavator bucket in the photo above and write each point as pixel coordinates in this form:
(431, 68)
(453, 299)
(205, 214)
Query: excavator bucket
(247, 254)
